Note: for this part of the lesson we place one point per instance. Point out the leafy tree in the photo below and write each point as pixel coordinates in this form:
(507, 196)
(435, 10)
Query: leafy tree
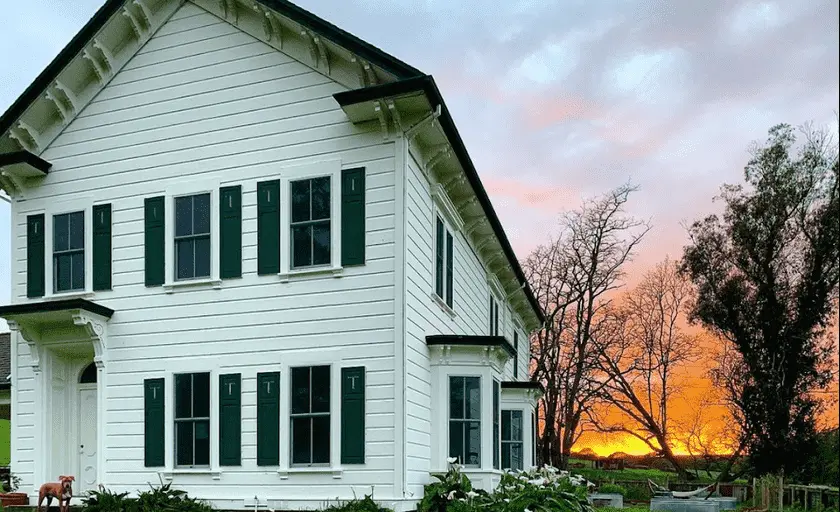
(766, 278)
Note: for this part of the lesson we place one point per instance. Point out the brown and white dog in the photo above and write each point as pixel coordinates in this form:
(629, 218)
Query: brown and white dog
(63, 490)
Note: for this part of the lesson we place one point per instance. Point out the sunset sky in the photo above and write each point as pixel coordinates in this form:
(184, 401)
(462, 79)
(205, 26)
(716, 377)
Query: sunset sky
(561, 100)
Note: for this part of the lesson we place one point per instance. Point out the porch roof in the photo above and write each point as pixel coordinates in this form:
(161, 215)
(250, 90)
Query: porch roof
(475, 341)
(52, 306)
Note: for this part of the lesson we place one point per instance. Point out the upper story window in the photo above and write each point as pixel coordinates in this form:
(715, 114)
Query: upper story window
(192, 236)
(443, 262)
(69, 252)
(310, 222)
(310, 415)
(465, 420)
(192, 419)
(494, 316)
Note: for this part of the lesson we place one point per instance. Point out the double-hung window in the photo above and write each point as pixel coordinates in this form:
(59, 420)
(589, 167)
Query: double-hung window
(69, 252)
(465, 420)
(443, 262)
(311, 223)
(192, 419)
(310, 415)
(192, 236)
(512, 443)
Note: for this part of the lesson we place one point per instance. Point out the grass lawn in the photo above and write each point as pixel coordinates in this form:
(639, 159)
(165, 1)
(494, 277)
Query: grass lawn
(5, 445)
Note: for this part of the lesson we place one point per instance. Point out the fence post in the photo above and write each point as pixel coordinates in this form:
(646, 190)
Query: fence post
(781, 492)
(755, 495)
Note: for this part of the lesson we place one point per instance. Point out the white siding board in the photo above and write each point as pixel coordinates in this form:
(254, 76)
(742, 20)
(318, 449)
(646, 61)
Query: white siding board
(203, 100)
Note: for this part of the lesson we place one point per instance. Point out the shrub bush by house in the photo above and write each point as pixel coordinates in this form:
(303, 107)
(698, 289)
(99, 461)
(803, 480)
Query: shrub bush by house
(538, 490)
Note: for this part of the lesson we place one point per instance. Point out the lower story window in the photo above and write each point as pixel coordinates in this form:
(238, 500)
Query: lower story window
(310, 416)
(465, 420)
(192, 419)
(512, 444)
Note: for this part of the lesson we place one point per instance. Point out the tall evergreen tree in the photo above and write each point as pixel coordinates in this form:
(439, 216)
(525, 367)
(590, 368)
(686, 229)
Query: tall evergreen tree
(766, 277)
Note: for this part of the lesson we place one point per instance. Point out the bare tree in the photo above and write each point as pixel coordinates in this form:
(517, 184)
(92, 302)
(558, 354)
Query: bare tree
(708, 434)
(572, 277)
(639, 354)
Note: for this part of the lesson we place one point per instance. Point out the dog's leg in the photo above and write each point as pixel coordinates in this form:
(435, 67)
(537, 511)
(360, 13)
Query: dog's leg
(40, 501)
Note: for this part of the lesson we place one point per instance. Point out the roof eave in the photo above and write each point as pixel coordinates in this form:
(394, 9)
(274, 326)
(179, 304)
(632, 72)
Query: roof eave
(427, 86)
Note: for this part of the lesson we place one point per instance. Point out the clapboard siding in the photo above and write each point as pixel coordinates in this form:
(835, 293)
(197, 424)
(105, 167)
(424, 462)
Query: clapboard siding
(425, 317)
(203, 100)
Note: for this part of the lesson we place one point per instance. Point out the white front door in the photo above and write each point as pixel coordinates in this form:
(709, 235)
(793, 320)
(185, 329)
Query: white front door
(87, 439)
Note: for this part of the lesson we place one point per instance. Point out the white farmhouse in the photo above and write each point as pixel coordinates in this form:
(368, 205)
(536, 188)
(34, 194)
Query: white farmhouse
(251, 257)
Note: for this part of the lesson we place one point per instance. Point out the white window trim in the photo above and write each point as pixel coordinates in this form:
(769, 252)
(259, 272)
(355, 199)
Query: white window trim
(514, 402)
(333, 359)
(437, 213)
(331, 168)
(191, 188)
(80, 204)
(526, 419)
(170, 469)
(440, 413)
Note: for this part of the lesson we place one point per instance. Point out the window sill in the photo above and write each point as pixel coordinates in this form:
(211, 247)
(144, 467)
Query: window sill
(170, 474)
(78, 294)
(442, 305)
(337, 472)
(194, 283)
(285, 277)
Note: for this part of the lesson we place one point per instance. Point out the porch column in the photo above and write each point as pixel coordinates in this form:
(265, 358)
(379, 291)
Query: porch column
(101, 390)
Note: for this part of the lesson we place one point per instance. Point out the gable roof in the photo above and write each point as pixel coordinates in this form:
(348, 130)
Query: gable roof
(290, 10)
(401, 77)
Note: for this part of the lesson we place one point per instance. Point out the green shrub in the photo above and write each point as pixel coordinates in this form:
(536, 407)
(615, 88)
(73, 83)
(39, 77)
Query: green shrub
(156, 499)
(363, 505)
(538, 490)
(104, 500)
(612, 489)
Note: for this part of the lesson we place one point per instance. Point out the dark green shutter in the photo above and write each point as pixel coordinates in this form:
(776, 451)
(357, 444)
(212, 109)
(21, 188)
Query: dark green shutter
(353, 415)
(449, 250)
(230, 419)
(35, 255)
(353, 216)
(154, 391)
(155, 240)
(515, 355)
(497, 440)
(439, 233)
(230, 232)
(268, 419)
(268, 227)
(102, 247)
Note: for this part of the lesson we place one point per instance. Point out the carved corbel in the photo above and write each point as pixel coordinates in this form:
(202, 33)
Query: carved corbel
(472, 225)
(99, 67)
(32, 339)
(106, 54)
(310, 43)
(466, 205)
(147, 13)
(439, 154)
(136, 24)
(7, 185)
(395, 115)
(15, 181)
(428, 120)
(27, 136)
(64, 99)
(94, 327)
(360, 64)
(383, 119)
(323, 55)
